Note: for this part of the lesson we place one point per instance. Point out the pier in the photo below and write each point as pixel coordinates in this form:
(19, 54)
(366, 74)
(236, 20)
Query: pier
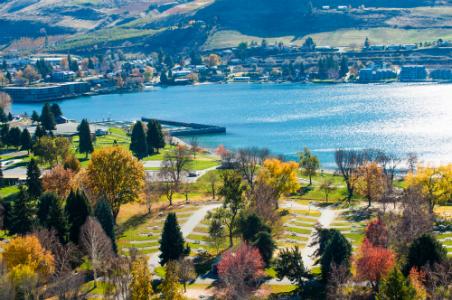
(187, 129)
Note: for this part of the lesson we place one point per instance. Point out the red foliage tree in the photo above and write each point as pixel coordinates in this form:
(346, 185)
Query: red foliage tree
(239, 269)
(377, 233)
(373, 263)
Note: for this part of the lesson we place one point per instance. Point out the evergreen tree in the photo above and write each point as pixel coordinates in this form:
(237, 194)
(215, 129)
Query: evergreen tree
(343, 67)
(33, 179)
(47, 118)
(57, 220)
(4, 65)
(85, 141)
(164, 78)
(4, 130)
(10, 116)
(45, 203)
(14, 136)
(250, 226)
(3, 116)
(425, 250)
(9, 77)
(396, 287)
(35, 117)
(155, 138)
(366, 42)
(334, 248)
(25, 140)
(172, 241)
(138, 144)
(44, 68)
(56, 110)
(264, 242)
(90, 64)
(105, 217)
(77, 210)
(289, 264)
(21, 218)
(39, 132)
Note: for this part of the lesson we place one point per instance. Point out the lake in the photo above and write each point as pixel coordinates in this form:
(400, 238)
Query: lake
(398, 118)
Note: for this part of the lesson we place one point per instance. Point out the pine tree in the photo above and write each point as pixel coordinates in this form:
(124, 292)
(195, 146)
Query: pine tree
(39, 132)
(138, 144)
(47, 118)
(14, 136)
(33, 179)
(57, 220)
(105, 217)
(343, 68)
(172, 241)
(334, 249)
(44, 204)
(3, 116)
(155, 138)
(77, 210)
(10, 116)
(425, 250)
(4, 130)
(396, 287)
(25, 140)
(21, 218)
(85, 141)
(56, 110)
(35, 117)
(264, 242)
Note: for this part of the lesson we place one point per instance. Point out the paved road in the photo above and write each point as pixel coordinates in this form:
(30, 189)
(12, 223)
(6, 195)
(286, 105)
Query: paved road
(186, 229)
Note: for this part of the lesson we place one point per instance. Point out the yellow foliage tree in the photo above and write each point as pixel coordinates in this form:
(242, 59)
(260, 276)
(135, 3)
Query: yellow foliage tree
(370, 181)
(281, 176)
(171, 288)
(435, 184)
(140, 285)
(115, 175)
(27, 262)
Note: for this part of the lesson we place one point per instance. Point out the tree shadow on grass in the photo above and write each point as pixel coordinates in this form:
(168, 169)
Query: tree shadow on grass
(360, 214)
(132, 222)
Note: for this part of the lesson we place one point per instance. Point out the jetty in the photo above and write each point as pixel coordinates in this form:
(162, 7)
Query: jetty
(187, 129)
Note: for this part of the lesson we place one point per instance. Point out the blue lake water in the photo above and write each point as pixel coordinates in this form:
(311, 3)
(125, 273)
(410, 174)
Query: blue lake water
(398, 118)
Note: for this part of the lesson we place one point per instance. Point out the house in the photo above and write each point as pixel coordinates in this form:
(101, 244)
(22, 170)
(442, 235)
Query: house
(48, 92)
(63, 76)
(441, 74)
(413, 73)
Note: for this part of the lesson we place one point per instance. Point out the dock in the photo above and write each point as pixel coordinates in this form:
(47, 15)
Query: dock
(187, 129)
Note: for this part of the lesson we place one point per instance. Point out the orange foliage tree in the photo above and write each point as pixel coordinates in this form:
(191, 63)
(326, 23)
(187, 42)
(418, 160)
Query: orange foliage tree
(370, 181)
(373, 263)
(58, 180)
(377, 233)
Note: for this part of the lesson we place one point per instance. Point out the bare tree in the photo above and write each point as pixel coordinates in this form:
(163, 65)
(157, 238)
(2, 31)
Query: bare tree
(438, 279)
(412, 161)
(327, 187)
(194, 146)
(96, 243)
(389, 162)
(264, 202)
(213, 179)
(175, 163)
(339, 277)
(186, 188)
(152, 192)
(248, 161)
(347, 162)
(186, 271)
(118, 276)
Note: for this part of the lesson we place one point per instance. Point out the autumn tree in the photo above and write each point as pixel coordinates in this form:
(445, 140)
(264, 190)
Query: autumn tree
(373, 263)
(170, 287)
(377, 233)
(140, 285)
(33, 182)
(27, 264)
(96, 244)
(115, 175)
(309, 163)
(72, 163)
(58, 180)
(239, 269)
(172, 242)
(30, 74)
(263, 201)
(281, 176)
(289, 263)
(433, 182)
(370, 181)
(85, 144)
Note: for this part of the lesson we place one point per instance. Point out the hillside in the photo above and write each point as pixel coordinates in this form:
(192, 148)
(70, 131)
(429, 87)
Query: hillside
(141, 25)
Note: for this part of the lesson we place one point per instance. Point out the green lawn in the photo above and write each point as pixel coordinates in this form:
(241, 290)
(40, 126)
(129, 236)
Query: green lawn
(8, 191)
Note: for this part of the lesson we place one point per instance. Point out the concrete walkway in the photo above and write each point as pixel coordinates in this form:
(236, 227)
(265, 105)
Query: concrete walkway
(186, 229)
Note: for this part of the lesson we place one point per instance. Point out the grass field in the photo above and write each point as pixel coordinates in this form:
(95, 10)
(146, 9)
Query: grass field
(352, 38)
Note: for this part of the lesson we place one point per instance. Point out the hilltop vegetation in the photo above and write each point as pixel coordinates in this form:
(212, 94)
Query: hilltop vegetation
(196, 23)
